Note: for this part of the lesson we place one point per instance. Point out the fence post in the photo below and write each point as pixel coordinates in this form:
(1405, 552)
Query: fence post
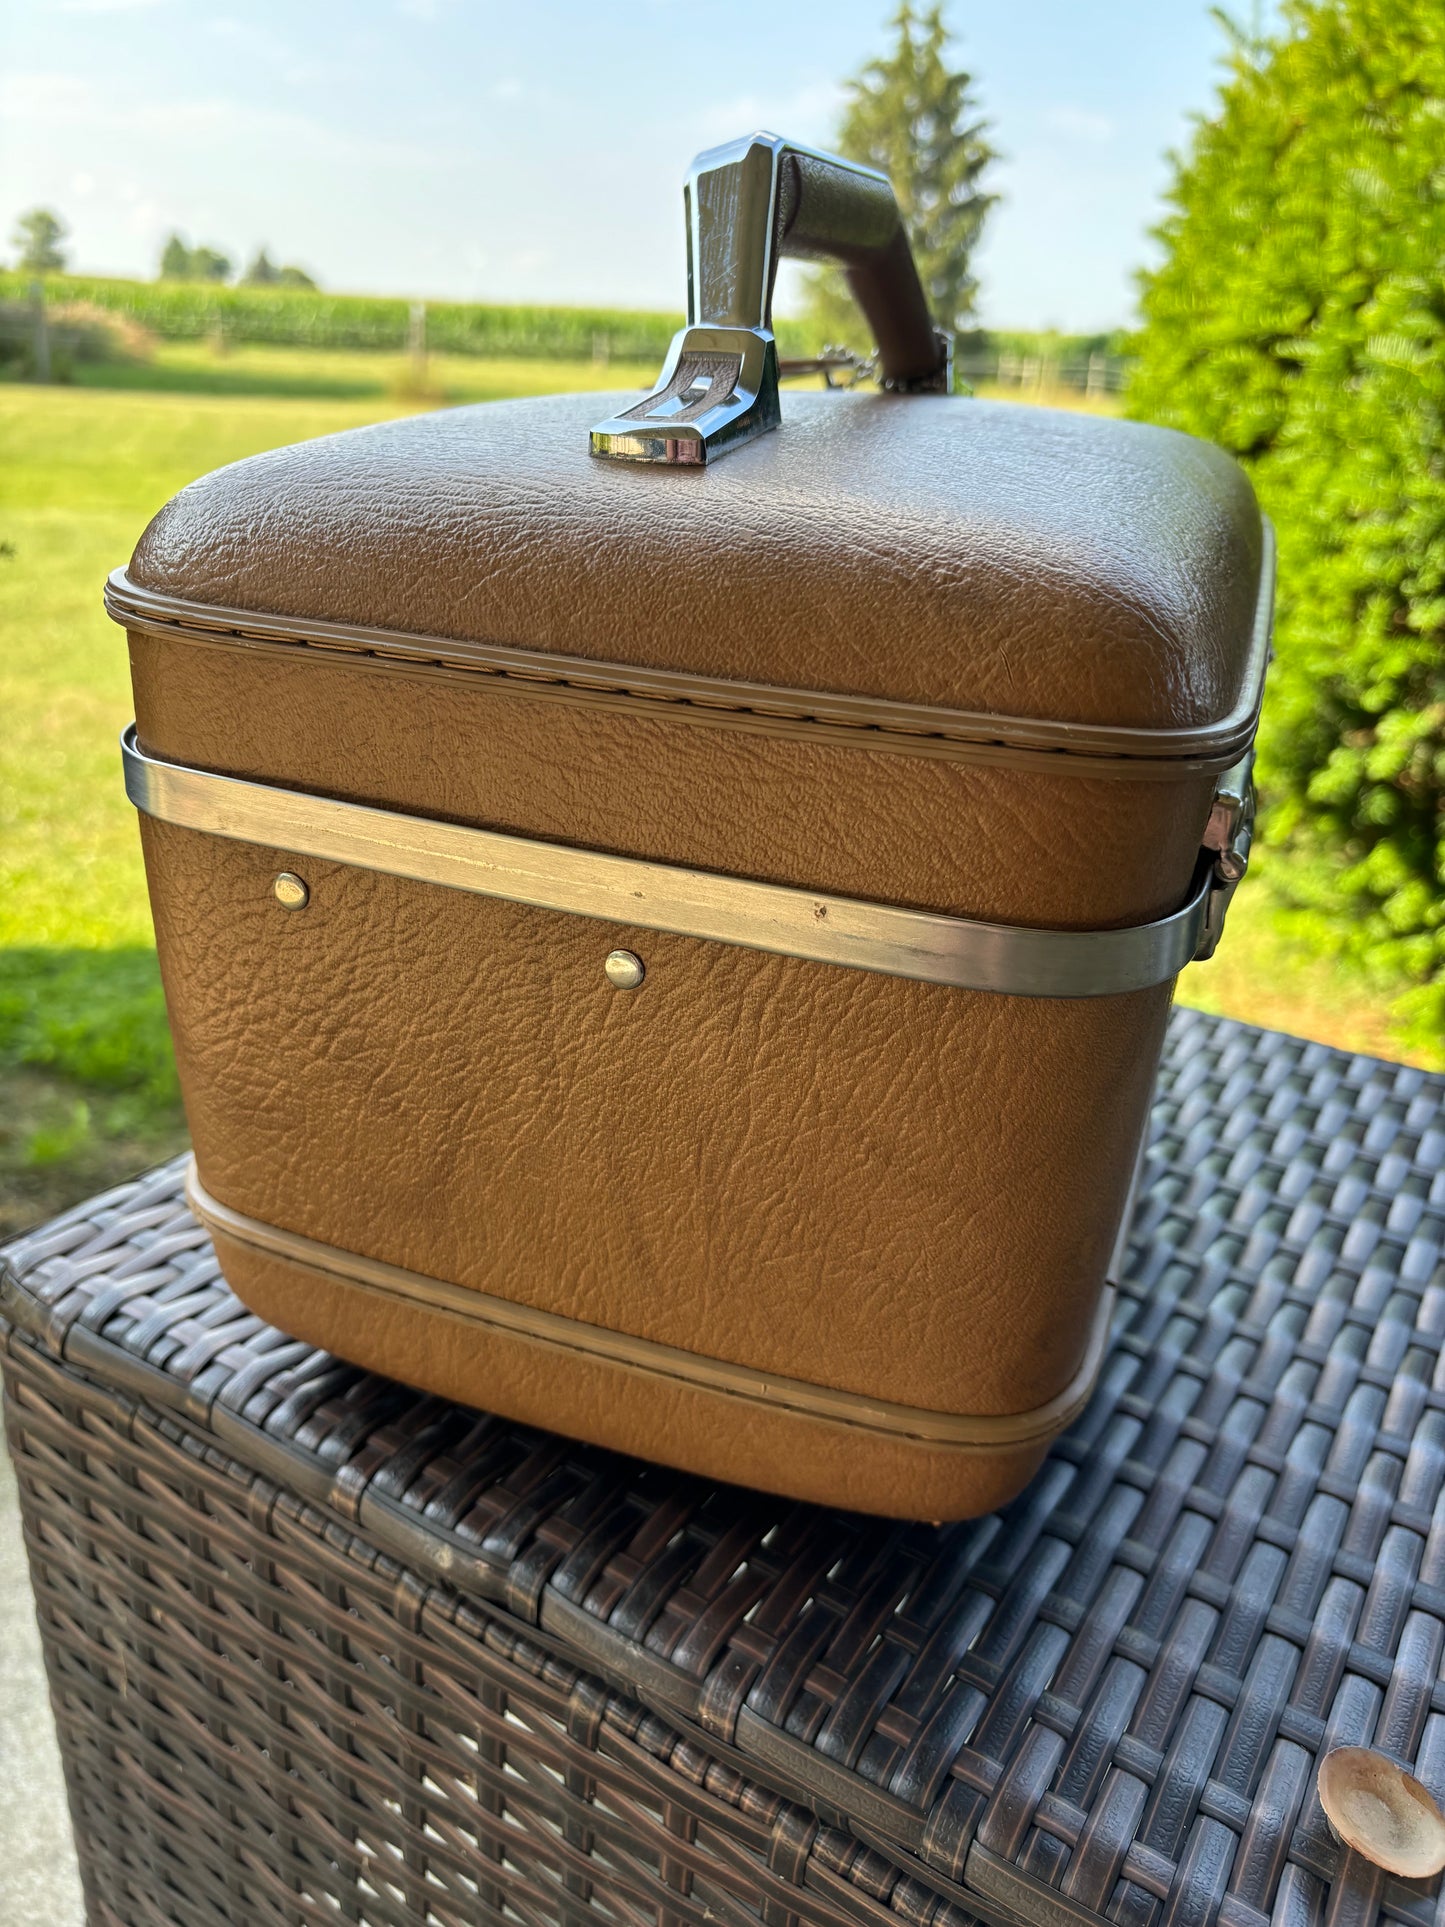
(42, 331)
(416, 345)
(216, 330)
(1097, 378)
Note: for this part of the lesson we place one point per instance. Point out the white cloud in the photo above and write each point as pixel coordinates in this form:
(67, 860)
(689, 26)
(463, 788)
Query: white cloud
(809, 113)
(144, 218)
(106, 6)
(265, 46)
(1077, 123)
(55, 101)
(49, 98)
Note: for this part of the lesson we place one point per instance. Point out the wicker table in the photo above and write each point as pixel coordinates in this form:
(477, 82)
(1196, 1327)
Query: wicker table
(321, 1648)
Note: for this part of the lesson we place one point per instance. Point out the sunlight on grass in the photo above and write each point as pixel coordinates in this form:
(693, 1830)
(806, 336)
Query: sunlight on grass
(340, 374)
(1268, 971)
(84, 474)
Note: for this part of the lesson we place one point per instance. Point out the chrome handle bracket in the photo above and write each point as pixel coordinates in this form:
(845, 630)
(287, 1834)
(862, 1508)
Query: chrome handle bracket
(746, 205)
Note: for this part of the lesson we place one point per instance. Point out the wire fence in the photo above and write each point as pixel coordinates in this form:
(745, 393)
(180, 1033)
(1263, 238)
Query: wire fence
(1093, 375)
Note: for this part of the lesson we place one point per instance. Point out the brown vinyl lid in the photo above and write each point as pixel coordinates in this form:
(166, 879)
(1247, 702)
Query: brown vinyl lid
(1024, 562)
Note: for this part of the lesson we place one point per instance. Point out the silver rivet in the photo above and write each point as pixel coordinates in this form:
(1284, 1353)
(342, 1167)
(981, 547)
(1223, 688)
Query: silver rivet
(624, 968)
(291, 892)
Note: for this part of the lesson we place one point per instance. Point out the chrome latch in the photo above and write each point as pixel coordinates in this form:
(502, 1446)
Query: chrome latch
(1228, 834)
(719, 387)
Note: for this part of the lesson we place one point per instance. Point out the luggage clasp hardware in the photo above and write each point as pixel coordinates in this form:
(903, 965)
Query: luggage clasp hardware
(1228, 835)
(746, 206)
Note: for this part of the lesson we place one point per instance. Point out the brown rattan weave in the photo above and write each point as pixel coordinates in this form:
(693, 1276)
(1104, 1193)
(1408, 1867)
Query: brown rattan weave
(321, 1648)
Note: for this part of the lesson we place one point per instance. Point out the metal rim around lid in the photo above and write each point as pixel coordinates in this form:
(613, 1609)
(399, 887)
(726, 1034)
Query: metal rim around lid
(917, 729)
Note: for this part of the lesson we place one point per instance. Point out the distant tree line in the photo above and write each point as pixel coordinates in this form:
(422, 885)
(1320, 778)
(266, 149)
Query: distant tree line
(40, 231)
(180, 262)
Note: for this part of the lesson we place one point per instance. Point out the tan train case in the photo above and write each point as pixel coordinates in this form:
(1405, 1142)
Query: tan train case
(668, 920)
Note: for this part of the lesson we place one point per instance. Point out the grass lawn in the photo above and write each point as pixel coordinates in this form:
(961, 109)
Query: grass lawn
(338, 374)
(87, 1089)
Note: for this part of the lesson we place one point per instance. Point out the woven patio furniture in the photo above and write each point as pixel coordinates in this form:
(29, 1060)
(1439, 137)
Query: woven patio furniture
(321, 1648)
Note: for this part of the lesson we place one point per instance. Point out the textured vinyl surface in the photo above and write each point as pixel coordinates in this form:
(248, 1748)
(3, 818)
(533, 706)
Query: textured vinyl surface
(976, 555)
(321, 1647)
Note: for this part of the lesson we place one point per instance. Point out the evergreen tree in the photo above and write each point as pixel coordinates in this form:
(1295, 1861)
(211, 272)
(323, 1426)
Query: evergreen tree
(293, 277)
(1297, 319)
(175, 260)
(913, 117)
(38, 235)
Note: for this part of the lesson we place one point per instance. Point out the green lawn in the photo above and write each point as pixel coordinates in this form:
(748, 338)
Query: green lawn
(339, 374)
(87, 1089)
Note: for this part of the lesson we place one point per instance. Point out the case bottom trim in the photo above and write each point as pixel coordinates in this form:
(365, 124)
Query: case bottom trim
(961, 1435)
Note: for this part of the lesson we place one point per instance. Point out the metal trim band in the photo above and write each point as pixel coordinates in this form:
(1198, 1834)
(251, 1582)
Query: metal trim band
(963, 1431)
(1009, 959)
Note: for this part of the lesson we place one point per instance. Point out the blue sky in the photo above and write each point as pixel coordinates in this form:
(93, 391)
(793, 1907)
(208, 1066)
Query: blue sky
(535, 151)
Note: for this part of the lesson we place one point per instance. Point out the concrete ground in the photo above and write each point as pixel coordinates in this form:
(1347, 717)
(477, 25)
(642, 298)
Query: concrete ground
(39, 1885)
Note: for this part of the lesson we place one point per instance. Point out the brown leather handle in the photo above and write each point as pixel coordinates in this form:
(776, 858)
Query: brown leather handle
(831, 210)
